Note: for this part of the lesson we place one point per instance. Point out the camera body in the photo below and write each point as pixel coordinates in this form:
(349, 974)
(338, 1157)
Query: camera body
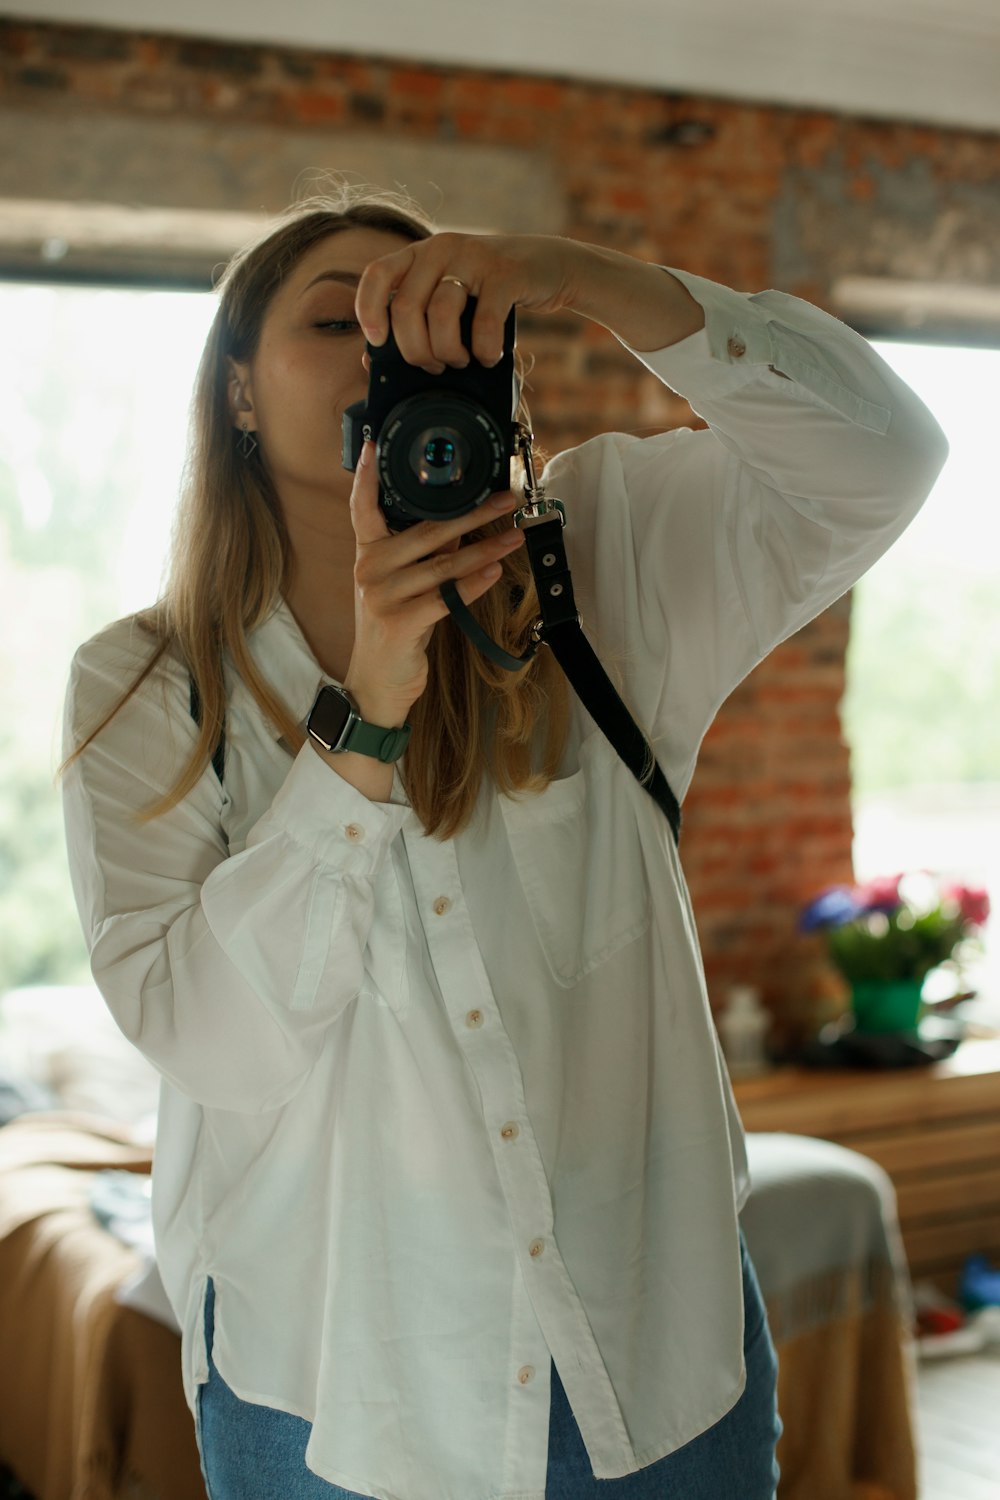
(443, 443)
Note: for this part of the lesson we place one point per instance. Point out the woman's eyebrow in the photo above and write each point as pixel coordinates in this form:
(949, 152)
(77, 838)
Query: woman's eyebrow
(347, 278)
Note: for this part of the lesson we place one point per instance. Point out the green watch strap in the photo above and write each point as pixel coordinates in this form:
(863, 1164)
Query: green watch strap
(385, 745)
(326, 724)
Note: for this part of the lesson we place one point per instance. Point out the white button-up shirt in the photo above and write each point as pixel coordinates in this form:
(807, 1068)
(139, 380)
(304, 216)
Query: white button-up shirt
(436, 1114)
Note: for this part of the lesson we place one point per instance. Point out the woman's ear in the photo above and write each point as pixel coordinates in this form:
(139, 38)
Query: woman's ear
(239, 394)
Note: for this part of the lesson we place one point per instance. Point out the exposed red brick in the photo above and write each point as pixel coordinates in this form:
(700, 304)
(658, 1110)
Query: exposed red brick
(630, 200)
(533, 93)
(470, 123)
(318, 109)
(15, 40)
(417, 83)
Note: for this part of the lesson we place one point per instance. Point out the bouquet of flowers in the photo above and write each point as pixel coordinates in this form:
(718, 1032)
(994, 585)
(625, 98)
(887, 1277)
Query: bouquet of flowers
(898, 927)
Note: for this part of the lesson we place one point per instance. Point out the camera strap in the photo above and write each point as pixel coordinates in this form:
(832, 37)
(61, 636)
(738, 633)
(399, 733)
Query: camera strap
(560, 629)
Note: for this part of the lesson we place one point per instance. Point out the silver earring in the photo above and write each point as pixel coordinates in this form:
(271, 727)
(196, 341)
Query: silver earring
(247, 442)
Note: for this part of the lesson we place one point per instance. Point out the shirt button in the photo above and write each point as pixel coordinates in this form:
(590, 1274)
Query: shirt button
(354, 833)
(509, 1131)
(526, 1373)
(536, 1247)
(474, 1018)
(441, 905)
(736, 347)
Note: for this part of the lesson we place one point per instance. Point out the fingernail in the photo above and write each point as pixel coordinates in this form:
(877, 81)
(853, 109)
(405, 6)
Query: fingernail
(366, 448)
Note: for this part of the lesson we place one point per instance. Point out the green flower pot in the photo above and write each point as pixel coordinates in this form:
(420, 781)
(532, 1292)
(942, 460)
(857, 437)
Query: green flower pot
(886, 1004)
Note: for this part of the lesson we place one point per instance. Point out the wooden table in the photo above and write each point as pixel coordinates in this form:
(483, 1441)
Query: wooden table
(935, 1130)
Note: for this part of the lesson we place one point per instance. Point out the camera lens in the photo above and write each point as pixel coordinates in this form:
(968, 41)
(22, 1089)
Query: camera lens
(439, 456)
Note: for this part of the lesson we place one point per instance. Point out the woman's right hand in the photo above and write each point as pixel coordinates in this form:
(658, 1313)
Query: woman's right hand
(397, 598)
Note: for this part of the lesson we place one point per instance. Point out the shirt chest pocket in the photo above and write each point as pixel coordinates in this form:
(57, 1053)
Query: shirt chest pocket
(579, 862)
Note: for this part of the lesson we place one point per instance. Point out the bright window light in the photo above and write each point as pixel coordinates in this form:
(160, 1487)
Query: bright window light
(922, 708)
(94, 394)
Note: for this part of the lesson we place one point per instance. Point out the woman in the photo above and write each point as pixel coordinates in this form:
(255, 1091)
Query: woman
(448, 1170)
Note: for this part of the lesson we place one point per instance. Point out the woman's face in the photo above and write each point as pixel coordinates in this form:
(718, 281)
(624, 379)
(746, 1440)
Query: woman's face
(309, 366)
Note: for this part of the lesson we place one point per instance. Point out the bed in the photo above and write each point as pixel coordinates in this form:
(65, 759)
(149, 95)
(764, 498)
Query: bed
(91, 1401)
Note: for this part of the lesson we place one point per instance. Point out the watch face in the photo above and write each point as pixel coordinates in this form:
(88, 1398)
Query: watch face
(329, 716)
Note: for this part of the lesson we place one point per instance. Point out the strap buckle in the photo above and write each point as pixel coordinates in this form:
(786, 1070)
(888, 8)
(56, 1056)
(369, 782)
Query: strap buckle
(535, 509)
(538, 628)
(536, 503)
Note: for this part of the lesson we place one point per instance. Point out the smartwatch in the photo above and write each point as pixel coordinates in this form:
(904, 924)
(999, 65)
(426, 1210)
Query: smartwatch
(335, 723)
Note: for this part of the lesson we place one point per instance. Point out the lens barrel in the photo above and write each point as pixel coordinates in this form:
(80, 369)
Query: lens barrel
(443, 443)
(440, 455)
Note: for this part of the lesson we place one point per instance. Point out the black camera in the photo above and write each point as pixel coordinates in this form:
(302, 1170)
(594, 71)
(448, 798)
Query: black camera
(443, 443)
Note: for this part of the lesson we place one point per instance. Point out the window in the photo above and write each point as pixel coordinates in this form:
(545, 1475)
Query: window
(922, 708)
(94, 391)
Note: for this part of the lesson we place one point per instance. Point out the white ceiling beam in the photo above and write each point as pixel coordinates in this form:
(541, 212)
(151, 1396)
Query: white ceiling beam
(903, 60)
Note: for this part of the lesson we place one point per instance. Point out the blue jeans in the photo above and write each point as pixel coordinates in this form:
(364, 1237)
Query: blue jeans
(251, 1452)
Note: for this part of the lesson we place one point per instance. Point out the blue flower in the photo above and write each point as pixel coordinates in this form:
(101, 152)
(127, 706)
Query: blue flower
(831, 908)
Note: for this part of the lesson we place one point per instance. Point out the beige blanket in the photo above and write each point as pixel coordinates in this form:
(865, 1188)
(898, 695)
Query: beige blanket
(822, 1231)
(91, 1401)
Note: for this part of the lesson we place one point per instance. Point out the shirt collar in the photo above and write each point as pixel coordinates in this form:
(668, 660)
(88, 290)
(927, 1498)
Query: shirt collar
(282, 656)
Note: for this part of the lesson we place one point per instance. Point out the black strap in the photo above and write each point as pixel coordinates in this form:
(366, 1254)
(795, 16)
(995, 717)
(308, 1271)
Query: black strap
(219, 757)
(560, 630)
(577, 658)
(477, 635)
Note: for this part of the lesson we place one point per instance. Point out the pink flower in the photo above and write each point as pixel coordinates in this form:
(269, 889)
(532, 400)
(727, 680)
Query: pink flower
(880, 894)
(973, 902)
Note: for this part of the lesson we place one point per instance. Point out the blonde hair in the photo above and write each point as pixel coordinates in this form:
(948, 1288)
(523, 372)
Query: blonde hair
(230, 561)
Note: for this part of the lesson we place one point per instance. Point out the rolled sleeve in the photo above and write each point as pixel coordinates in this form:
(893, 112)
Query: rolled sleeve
(225, 970)
(711, 547)
(810, 411)
(332, 821)
(750, 335)
(311, 865)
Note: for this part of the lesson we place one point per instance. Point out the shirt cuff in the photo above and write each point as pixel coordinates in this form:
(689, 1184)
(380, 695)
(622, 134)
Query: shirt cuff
(761, 336)
(333, 820)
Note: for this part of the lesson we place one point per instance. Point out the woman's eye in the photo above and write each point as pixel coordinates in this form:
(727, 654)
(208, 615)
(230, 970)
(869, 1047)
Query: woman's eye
(339, 325)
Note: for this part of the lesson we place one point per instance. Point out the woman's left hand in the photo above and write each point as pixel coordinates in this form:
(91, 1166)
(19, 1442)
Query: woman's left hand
(534, 271)
(641, 305)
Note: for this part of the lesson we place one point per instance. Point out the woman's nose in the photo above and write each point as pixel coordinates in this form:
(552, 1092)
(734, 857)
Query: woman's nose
(366, 362)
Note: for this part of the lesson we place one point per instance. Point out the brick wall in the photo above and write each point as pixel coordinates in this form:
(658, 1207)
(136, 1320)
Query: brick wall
(750, 196)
